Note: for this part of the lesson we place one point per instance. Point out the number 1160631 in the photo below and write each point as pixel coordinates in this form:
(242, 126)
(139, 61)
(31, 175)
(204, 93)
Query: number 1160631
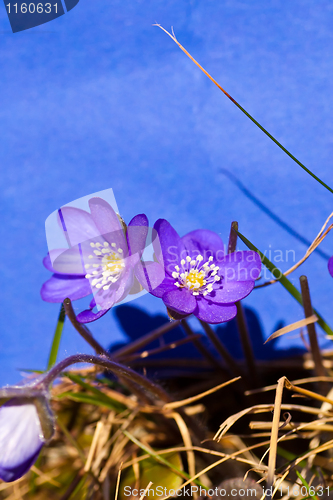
(39, 8)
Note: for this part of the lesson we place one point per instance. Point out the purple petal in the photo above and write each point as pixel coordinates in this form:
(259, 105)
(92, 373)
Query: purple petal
(330, 266)
(151, 275)
(79, 225)
(181, 300)
(240, 266)
(72, 260)
(105, 299)
(20, 438)
(203, 242)
(108, 223)
(214, 313)
(170, 246)
(61, 286)
(88, 316)
(231, 292)
(137, 231)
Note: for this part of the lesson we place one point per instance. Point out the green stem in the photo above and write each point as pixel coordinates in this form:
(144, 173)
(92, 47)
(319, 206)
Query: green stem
(56, 338)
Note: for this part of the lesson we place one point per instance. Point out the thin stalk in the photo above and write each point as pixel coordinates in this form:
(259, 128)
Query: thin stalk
(246, 113)
(56, 338)
(116, 368)
(229, 360)
(85, 333)
(158, 350)
(145, 339)
(246, 343)
(232, 243)
(200, 346)
(83, 330)
(240, 318)
(122, 371)
(308, 311)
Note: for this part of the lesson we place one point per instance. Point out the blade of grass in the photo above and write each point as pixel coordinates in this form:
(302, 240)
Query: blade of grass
(56, 338)
(279, 276)
(172, 36)
(311, 495)
(160, 459)
(101, 395)
(89, 399)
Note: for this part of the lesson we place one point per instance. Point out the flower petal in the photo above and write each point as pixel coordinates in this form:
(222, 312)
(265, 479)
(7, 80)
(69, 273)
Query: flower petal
(181, 300)
(240, 266)
(214, 313)
(88, 315)
(108, 223)
(151, 275)
(61, 286)
(79, 225)
(169, 247)
(203, 242)
(72, 260)
(231, 292)
(21, 438)
(330, 266)
(136, 234)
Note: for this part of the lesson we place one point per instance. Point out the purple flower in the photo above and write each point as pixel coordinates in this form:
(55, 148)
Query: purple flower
(330, 266)
(26, 424)
(193, 275)
(100, 260)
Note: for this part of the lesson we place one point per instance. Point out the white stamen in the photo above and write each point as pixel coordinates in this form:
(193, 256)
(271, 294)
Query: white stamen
(196, 276)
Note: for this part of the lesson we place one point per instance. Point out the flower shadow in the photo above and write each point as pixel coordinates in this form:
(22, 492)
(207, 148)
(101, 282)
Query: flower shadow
(135, 323)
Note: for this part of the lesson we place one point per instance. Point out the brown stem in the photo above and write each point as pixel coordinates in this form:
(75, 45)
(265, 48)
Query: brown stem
(308, 311)
(229, 360)
(233, 237)
(241, 321)
(246, 343)
(158, 350)
(88, 337)
(200, 346)
(83, 330)
(145, 339)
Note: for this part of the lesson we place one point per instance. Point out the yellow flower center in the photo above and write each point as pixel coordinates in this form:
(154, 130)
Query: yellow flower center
(194, 279)
(197, 277)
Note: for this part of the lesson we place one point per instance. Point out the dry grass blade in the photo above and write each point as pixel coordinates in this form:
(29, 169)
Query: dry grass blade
(275, 432)
(118, 482)
(188, 401)
(292, 327)
(316, 242)
(187, 442)
(305, 392)
(145, 492)
(93, 446)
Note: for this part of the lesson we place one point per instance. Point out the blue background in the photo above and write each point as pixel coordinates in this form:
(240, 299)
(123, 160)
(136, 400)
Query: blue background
(99, 98)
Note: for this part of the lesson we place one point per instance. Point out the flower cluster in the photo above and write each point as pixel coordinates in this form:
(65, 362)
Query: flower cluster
(192, 274)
